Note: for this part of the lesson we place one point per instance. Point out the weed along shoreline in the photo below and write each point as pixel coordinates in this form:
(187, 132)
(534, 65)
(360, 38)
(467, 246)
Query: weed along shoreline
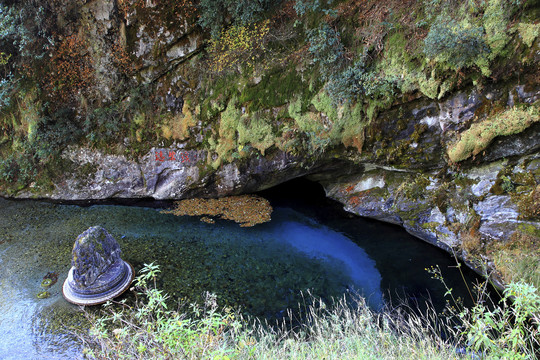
(284, 179)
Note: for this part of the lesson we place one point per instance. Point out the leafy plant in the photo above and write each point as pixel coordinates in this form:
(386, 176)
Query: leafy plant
(214, 13)
(303, 7)
(238, 45)
(511, 331)
(326, 49)
(507, 330)
(357, 80)
(344, 330)
(149, 330)
(456, 44)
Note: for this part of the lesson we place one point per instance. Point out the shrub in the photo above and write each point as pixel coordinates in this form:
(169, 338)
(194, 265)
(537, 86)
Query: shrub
(349, 84)
(149, 330)
(508, 331)
(71, 69)
(214, 13)
(303, 7)
(326, 49)
(7, 87)
(455, 44)
(238, 45)
(356, 81)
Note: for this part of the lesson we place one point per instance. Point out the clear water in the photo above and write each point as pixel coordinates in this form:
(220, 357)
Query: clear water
(309, 245)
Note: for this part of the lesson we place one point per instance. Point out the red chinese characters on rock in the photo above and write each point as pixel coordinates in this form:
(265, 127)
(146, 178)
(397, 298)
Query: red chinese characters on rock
(170, 155)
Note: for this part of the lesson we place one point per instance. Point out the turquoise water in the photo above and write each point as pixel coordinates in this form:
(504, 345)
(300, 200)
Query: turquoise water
(263, 270)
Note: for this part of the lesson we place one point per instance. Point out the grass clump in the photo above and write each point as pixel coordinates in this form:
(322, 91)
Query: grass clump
(479, 135)
(148, 329)
(519, 258)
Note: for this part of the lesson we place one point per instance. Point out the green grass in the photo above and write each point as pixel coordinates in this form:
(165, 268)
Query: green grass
(149, 330)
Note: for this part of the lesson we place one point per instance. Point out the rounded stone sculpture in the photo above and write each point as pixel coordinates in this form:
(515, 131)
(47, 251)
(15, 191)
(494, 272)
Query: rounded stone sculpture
(97, 272)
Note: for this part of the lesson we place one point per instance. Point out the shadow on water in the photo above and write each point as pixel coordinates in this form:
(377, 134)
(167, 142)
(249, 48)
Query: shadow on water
(400, 258)
(310, 244)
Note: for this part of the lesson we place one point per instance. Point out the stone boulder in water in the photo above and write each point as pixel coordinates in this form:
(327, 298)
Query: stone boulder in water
(98, 273)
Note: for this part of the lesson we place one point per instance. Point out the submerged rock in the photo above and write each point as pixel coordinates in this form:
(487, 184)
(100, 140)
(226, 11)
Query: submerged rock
(98, 273)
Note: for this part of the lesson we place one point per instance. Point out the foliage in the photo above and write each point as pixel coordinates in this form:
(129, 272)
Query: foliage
(104, 124)
(149, 330)
(517, 259)
(214, 13)
(8, 34)
(528, 32)
(238, 45)
(475, 139)
(303, 7)
(71, 69)
(349, 84)
(59, 129)
(7, 87)
(506, 331)
(495, 19)
(457, 44)
(356, 81)
(326, 49)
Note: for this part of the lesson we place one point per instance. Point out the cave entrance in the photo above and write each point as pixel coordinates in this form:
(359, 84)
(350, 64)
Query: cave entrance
(400, 258)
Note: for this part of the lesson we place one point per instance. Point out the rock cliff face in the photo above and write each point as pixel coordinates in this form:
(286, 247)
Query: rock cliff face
(468, 210)
(450, 154)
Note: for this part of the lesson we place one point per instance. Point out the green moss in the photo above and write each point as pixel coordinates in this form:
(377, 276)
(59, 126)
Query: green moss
(475, 139)
(495, 22)
(529, 204)
(228, 125)
(275, 89)
(430, 226)
(528, 32)
(399, 62)
(529, 229)
(217, 93)
(256, 131)
(429, 86)
(324, 104)
(308, 122)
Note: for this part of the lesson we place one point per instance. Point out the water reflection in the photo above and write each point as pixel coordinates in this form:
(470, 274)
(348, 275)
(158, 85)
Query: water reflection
(320, 242)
